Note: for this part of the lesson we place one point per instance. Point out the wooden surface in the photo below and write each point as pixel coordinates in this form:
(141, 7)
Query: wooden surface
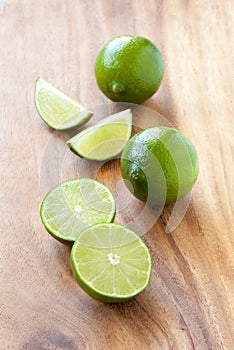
(189, 303)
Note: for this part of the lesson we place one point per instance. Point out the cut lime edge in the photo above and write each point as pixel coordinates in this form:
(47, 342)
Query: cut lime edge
(74, 121)
(92, 291)
(66, 239)
(113, 119)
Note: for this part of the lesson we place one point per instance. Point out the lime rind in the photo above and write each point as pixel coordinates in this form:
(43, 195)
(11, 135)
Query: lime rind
(143, 75)
(159, 165)
(58, 212)
(56, 109)
(107, 138)
(143, 266)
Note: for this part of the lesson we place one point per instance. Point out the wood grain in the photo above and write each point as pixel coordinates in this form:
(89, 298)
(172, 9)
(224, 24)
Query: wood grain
(189, 303)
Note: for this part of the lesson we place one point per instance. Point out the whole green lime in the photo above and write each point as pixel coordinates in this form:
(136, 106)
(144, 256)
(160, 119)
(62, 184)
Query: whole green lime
(129, 69)
(159, 165)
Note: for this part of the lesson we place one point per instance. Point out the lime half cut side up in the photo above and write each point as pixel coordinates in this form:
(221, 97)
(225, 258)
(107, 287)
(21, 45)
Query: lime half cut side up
(58, 110)
(74, 205)
(106, 139)
(111, 262)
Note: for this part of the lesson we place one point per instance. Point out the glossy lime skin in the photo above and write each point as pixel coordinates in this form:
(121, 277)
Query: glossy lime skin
(129, 69)
(160, 164)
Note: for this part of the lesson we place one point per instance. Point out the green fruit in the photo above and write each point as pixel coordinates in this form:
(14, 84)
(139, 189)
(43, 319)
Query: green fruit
(111, 263)
(104, 140)
(58, 110)
(129, 69)
(160, 164)
(72, 206)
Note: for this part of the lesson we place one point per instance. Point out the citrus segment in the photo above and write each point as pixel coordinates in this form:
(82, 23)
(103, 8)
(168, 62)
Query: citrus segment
(58, 110)
(104, 140)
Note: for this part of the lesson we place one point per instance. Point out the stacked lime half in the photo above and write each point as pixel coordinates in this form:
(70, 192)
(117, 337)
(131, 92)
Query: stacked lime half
(111, 263)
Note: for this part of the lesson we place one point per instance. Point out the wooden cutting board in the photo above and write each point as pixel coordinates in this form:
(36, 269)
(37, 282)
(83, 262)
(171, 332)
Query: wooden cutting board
(189, 302)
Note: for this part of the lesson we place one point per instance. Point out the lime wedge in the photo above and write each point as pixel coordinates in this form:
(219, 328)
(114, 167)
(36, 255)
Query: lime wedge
(74, 205)
(111, 262)
(58, 110)
(104, 140)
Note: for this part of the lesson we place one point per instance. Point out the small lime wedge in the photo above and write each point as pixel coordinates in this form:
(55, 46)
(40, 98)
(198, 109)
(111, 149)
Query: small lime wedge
(111, 262)
(74, 205)
(58, 110)
(104, 140)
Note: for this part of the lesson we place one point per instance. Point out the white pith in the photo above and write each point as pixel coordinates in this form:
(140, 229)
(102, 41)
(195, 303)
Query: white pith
(114, 259)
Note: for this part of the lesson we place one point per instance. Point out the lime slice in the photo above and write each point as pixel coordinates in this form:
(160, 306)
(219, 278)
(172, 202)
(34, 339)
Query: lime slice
(58, 110)
(111, 262)
(104, 140)
(74, 205)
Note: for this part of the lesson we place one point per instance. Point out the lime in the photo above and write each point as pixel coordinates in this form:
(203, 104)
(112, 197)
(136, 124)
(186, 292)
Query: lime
(74, 205)
(129, 69)
(104, 140)
(160, 164)
(58, 110)
(111, 262)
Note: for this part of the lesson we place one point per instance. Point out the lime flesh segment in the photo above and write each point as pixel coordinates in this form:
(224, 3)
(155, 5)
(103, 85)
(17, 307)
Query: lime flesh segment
(58, 110)
(111, 262)
(104, 140)
(74, 205)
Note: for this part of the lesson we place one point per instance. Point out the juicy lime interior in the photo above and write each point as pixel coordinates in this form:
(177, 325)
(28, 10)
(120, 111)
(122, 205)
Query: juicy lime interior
(57, 109)
(74, 205)
(111, 262)
(104, 140)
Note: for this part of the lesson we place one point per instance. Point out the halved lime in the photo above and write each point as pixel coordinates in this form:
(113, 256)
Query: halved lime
(58, 110)
(111, 262)
(74, 205)
(104, 140)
